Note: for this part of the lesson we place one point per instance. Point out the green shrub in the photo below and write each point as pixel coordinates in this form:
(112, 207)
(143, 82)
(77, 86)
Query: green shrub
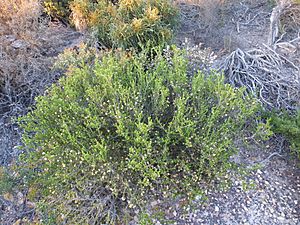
(57, 8)
(288, 126)
(7, 181)
(110, 135)
(126, 23)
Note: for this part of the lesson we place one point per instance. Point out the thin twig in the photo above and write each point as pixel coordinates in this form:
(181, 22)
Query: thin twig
(270, 156)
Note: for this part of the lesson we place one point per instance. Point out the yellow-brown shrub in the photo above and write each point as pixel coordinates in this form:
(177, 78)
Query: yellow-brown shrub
(127, 23)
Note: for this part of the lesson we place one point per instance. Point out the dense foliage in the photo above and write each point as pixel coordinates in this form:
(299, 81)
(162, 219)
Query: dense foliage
(57, 8)
(126, 23)
(111, 133)
(289, 126)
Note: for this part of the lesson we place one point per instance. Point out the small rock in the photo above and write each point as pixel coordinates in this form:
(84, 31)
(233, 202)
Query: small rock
(19, 44)
(10, 38)
(30, 204)
(217, 209)
(20, 198)
(18, 222)
(154, 203)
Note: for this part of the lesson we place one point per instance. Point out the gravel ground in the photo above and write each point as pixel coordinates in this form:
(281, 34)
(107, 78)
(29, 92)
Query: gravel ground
(273, 200)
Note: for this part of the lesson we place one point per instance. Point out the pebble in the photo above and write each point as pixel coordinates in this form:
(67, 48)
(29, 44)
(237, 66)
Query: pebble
(30, 204)
(154, 203)
(10, 38)
(19, 44)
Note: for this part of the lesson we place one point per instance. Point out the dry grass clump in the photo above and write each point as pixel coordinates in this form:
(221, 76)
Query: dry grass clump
(27, 47)
(20, 29)
(208, 11)
(290, 18)
(20, 50)
(20, 18)
(20, 68)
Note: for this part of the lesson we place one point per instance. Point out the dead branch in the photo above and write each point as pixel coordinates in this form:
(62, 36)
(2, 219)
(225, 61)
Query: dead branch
(275, 19)
(272, 78)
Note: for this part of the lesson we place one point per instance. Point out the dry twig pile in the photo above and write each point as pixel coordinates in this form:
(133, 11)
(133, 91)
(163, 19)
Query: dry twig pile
(267, 75)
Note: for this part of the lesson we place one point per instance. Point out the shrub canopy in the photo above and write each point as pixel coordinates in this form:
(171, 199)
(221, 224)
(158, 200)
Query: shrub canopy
(126, 23)
(289, 126)
(119, 24)
(109, 134)
(57, 8)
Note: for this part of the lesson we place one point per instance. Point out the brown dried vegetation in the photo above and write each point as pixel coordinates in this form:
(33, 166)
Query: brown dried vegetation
(28, 45)
(20, 49)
